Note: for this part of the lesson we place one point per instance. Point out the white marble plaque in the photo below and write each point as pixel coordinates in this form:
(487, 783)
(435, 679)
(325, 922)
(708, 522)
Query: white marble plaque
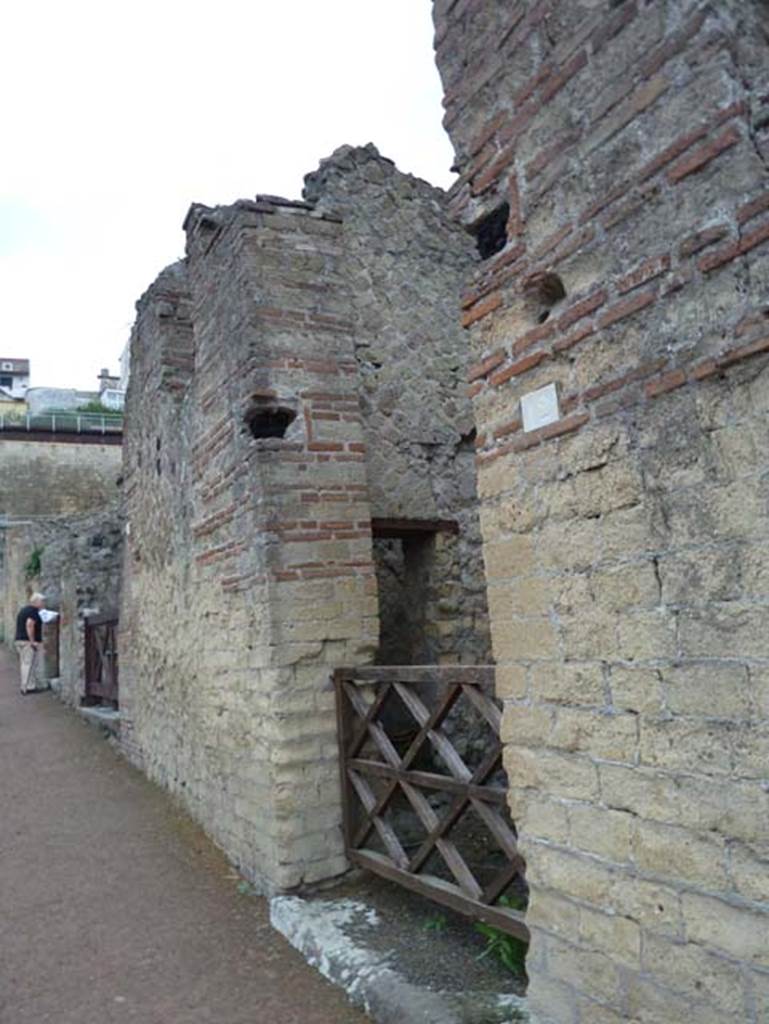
(540, 407)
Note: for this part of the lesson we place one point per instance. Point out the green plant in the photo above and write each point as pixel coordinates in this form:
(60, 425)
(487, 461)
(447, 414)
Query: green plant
(437, 923)
(96, 407)
(510, 952)
(33, 564)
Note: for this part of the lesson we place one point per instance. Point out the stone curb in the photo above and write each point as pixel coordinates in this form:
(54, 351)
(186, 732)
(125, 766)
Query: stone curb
(328, 935)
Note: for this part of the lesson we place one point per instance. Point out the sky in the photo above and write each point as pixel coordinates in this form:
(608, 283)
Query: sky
(116, 116)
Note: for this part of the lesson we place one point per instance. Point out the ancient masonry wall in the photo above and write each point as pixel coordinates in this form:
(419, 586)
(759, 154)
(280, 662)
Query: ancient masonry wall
(250, 567)
(249, 572)
(626, 544)
(51, 477)
(80, 560)
(405, 262)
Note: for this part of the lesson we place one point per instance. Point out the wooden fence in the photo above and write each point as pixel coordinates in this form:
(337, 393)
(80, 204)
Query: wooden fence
(399, 729)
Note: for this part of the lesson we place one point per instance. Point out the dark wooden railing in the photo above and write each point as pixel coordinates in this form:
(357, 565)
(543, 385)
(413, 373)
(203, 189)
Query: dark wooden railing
(398, 730)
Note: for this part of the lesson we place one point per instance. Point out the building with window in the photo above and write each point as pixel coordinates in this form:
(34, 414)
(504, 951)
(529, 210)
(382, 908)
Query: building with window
(14, 378)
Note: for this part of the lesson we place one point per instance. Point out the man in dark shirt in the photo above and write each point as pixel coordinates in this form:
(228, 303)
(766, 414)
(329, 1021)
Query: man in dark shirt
(29, 641)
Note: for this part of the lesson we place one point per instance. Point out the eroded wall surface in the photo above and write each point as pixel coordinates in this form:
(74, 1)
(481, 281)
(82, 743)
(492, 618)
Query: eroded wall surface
(248, 571)
(250, 564)
(79, 572)
(405, 262)
(626, 543)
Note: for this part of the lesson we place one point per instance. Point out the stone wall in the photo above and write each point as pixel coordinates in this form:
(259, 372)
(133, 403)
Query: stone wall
(405, 262)
(626, 541)
(80, 560)
(256, 422)
(248, 573)
(48, 476)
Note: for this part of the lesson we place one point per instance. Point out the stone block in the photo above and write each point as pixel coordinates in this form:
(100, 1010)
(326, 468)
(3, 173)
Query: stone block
(680, 744)
(732, 929)
(568, 683)
(596, 974)
(525, 640)
(560, 775)
(696, 974)
(750, 750)
(721, 689)
(605, 833)
(626, 586)
(510, 558)
(646, 636)
(749, 869)
(550, 912)
(546, 819)
(656, 907)
(569, 873)
(613, 737)
(636, 689)
(511, 682)
(618, 936)
(678, 854)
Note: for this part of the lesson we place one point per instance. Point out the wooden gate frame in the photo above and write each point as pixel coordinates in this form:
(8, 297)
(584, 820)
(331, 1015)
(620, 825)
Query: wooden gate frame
(364, 811)
(104, 652)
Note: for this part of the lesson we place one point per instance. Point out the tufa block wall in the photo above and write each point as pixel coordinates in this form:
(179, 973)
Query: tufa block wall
(51, 477)
(626, 544)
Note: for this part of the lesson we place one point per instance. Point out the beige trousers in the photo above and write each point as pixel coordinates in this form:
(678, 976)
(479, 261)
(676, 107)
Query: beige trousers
(31, 666)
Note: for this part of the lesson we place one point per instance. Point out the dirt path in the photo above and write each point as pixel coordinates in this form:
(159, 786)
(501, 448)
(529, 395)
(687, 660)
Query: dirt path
(113, 906)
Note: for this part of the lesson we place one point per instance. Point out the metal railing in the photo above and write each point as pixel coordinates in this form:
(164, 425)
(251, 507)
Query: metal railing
(63, 422)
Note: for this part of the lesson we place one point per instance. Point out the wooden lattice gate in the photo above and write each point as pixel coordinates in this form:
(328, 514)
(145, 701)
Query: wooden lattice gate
(398, 736)
(101, 660)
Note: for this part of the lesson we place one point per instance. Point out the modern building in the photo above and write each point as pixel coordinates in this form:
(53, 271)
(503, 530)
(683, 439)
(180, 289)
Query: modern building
(14, 378)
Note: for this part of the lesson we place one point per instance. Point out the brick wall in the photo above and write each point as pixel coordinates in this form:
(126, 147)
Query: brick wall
(249, 572)
(626, 543)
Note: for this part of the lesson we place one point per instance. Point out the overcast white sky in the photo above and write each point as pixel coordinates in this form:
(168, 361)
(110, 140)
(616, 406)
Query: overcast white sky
(115, 116)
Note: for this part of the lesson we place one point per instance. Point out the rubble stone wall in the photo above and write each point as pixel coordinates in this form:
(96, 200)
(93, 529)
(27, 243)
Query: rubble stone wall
(626, 543)
(405, 262)
(80, 559)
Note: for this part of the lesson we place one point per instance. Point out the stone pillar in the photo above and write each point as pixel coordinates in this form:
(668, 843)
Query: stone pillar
(263, 561)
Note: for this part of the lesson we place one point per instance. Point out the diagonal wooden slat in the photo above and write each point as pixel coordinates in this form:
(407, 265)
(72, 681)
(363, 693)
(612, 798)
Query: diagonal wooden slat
(451, 855)
(375, 731)
(473, 791)
(458, 807)
(361, 730)
(442, 744)
(499, 828)
(386, 832)
(485, 705)
(502, 881)
(434, 719)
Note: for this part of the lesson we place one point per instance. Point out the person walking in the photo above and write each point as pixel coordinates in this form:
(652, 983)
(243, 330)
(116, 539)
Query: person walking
(29, 641)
